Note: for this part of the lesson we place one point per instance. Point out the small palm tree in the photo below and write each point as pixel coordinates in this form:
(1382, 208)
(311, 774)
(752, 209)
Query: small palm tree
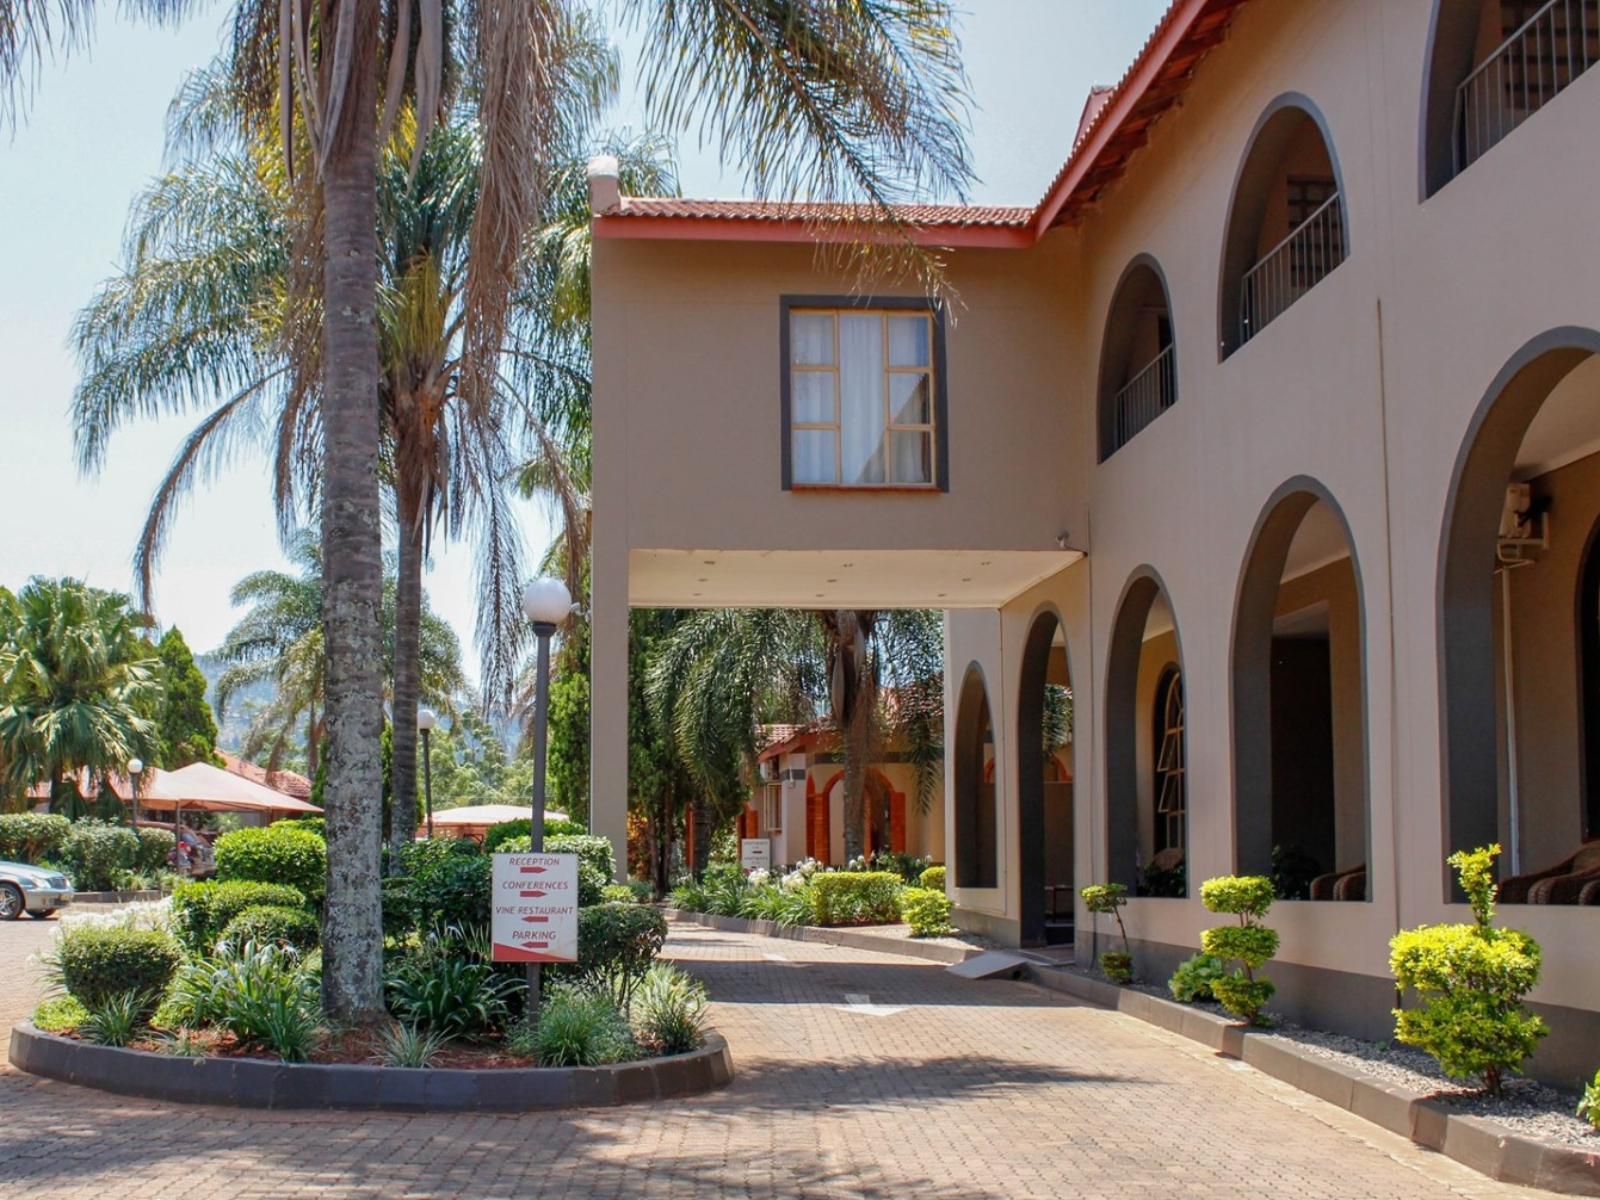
(876, 676)
(79, 686)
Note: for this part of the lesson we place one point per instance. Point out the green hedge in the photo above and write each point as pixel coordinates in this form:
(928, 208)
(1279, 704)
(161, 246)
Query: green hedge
(523, 826)
(155, 847)
(926, 911)
(443, 885)
(933, 878)
(856, 898)
(93, 851)
(97, 963)
(616, 945)
(201, 911)
(31, 837)
(275, 854)
(281, 926)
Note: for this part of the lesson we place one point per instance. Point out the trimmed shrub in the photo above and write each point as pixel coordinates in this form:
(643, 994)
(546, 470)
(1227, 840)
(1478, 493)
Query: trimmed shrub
(60, 1014)
(669, 1011)
(926, 911)
(908, 866)
(31, 837)
(933, 878)
(616, 945)
(316, 825)
(1108, 899)
(1192, 981)
(97, 963)
(522, 827)
(617, 893)
(201, 911)
(856, 898)
(94, 851)
(275, 925)
(155, 846)
(447, 888)
(1249, 942)
(1471, 980)
(581, 1027)
(275, 854)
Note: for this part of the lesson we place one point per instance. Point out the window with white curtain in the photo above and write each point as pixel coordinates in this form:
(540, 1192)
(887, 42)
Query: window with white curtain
(862, 407)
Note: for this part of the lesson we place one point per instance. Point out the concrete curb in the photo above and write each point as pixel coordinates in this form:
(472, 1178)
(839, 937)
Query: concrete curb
(258, 1083)
(853, 939)
(1472, 1141)
(114, 897)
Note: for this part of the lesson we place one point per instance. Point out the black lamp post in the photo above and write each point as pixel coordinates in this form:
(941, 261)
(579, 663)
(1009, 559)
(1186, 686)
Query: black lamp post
(426, 720)
(546, 603)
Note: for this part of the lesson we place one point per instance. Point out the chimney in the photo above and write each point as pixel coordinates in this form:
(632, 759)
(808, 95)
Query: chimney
(605, 190)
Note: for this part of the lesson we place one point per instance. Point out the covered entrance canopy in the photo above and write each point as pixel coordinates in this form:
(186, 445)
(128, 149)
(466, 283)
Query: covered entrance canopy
(211, 789)
(474, 820)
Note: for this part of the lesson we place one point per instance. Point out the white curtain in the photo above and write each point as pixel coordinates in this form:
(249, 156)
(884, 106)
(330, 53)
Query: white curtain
(861, 398)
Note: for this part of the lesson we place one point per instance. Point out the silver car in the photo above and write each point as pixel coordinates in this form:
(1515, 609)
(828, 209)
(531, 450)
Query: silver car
(32, 890)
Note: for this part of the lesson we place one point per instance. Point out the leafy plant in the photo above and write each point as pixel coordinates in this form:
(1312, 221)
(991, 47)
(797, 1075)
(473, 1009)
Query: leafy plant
(116, 1020)
(616, 945)
(59, 1014)
(856, 898)
(1471, 980)
(926, 911)
(262, 994)
(1588, 1103)
(32, 837)
(403, 1045)
(1251, 943)
(274, 924)
(201, 911)
(933, 877)
(1292, 872)
(669, 1011)
(1191, 982)
(180, 1044)
(908, 866)
(1109, 899)
(447, 986)
(617, 893)
(581, 1027)
(498, 834)
(783, 906)
(96, 963)
(94, 851)
(275, 854)
(690, 895)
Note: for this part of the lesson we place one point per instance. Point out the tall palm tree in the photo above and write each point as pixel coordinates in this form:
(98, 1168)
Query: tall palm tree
(279, 640)
(80, 686)
(876, 676)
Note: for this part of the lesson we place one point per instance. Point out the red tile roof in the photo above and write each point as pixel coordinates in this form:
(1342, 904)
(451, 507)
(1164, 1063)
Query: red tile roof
(1115, 123)
(290, 783)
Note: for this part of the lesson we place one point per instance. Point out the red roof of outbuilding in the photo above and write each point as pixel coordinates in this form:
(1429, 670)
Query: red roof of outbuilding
(1115, 123)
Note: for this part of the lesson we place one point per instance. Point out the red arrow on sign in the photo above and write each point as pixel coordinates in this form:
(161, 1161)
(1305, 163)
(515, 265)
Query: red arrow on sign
(533, 870)
(532, 919)
(532, 893)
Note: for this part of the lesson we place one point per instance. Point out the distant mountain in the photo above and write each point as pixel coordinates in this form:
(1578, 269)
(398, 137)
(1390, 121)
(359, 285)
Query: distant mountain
(242, 708)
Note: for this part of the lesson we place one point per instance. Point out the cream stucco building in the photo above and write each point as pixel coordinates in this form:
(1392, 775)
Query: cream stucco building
(1273, 430)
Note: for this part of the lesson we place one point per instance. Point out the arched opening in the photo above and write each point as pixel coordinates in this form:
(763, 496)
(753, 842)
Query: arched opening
(883, 812)
(1138, 361)
(1492, 64)
(1301, 811)
(1147, 791)
(1044, 786)
(1518, 625)
(977, 860)
(1287, 226)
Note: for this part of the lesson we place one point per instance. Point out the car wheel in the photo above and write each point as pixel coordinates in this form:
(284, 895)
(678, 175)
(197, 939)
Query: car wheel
(42, 914)
(11, 902)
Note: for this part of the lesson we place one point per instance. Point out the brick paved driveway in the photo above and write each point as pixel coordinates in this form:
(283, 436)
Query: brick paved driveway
(921, 1085)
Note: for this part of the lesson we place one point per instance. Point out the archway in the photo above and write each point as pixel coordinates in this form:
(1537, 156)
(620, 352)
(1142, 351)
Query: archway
(1301, 810)
(1147, 793)
(1288, 228)
(977, 857)
(1515, 594)
(1045, 839)
(1138, 356)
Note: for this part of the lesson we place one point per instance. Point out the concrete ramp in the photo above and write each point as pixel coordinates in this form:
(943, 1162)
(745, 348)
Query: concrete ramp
(991, 964)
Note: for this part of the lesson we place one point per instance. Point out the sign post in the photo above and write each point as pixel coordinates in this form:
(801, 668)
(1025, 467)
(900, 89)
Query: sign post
(534, 913)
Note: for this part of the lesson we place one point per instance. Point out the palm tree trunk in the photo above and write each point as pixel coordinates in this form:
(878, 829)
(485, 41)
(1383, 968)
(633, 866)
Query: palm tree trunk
(407, 640)
(313, 741)
(352, 940)
(702, 833)
(851, 695)
(854, 743)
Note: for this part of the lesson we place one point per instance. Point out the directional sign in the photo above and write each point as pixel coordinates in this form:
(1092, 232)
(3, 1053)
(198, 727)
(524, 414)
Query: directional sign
(755, 854)
(535, 908)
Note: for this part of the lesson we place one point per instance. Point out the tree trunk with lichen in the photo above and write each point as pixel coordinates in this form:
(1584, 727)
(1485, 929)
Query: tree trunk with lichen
(352, 939)
(851, 693)
(407, 643)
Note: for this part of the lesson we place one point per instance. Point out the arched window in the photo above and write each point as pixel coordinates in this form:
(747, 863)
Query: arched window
(1147, 819)
(977, 858)
(1492, 64)
(1299, 703)
(1287, 226)
(1138, 361)
(1516, 607)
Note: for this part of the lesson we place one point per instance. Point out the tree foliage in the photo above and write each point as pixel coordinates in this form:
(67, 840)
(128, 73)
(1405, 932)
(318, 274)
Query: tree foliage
(188, 728)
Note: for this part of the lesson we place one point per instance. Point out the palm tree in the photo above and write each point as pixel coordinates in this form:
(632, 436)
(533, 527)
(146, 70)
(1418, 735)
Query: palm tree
(876, 676)
(79, 686)
(279, 640)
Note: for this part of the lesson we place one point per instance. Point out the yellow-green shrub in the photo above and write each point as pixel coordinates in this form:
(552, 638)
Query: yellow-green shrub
(926, 911)
(1108, 899)
(1249, 943)
(856, 898)
(1470, 980)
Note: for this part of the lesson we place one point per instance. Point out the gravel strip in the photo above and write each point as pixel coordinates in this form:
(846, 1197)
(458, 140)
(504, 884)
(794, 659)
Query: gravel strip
(959, 939)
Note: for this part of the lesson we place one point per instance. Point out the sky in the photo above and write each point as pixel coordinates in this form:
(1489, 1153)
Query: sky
(92, 137)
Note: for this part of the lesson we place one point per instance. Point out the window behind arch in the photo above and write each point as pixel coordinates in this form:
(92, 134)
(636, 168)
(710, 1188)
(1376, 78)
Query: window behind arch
(1171, 786)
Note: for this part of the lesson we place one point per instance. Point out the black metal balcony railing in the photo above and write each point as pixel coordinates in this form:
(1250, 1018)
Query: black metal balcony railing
(1539, 60)
(1144, 397)
(1292, 268)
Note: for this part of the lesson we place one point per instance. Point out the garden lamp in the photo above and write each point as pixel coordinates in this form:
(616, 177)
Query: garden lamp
(426, 720)
(546, 603)
(135, 769)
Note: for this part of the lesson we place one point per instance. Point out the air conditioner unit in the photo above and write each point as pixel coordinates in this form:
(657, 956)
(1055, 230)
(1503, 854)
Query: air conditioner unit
(1514, 523)
(769, 769)
(1524, 526)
